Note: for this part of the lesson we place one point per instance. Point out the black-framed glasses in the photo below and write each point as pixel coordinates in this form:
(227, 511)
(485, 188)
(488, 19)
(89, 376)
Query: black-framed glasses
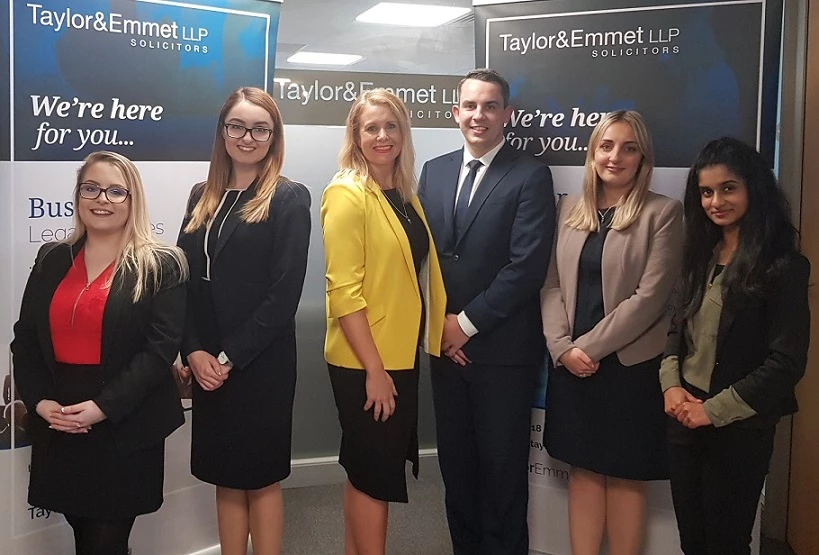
(236, 131)
(115, 195)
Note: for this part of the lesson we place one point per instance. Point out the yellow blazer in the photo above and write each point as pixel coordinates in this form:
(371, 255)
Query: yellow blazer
(369, 267)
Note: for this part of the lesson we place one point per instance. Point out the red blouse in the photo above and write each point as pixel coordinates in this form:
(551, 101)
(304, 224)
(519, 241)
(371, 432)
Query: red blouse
(76, 314)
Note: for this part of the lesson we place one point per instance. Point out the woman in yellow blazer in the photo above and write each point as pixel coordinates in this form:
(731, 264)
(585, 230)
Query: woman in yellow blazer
(385, 297)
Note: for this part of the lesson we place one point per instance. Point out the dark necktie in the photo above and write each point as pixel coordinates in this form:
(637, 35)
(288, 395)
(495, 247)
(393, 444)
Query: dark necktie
(462, 206)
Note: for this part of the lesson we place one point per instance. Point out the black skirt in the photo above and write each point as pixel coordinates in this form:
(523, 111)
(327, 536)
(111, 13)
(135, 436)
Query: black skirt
(241, 433)
(85, 474)
(612, 422)
(374, 454)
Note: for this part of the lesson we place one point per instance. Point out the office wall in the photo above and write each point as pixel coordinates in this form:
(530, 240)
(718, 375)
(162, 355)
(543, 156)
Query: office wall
(803, 534)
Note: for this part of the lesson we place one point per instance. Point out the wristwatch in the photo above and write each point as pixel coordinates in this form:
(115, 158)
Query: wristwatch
(223, 359)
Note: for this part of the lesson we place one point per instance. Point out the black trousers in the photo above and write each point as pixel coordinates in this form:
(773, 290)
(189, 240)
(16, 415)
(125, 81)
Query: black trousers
(482, 416)
(716, 480)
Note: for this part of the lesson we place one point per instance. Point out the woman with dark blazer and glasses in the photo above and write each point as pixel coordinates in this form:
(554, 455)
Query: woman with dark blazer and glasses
(100, 326)
(245, 232)
(737, 348)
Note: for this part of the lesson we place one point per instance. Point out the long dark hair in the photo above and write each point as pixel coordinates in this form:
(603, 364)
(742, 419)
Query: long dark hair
(767, 236)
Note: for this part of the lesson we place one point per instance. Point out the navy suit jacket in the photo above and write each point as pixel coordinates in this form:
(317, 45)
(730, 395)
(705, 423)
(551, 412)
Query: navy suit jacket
(495, 269)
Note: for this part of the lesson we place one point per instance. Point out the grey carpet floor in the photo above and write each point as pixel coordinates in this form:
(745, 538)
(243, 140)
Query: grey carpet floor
(314, 522)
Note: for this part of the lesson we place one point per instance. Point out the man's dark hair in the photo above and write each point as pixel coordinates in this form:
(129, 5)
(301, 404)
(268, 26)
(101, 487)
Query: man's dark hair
(488, 75)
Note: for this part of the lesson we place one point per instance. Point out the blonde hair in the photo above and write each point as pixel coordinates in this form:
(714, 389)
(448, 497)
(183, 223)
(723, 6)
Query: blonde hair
(351, 159)
(584, 214)
(221, 166)
(141, 253)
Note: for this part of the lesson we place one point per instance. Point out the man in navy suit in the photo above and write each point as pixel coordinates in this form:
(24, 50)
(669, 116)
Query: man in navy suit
(491, 210)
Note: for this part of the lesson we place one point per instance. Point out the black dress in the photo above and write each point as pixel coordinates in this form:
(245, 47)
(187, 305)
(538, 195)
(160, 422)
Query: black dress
(374, 454)
(611, 422)
(241, 432)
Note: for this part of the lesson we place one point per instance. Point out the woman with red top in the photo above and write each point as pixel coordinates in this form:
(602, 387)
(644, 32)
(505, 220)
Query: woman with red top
(100, 324)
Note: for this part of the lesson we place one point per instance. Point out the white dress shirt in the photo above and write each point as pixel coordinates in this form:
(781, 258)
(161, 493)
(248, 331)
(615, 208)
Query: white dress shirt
(486, 159)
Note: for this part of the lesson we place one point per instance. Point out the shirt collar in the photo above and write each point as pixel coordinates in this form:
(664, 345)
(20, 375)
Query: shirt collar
(486, 159)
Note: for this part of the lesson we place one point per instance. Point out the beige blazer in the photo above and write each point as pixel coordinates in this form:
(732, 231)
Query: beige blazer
(639, 269)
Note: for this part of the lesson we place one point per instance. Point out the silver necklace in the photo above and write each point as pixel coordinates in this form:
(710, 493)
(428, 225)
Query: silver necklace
(404, 212)
(603, 213)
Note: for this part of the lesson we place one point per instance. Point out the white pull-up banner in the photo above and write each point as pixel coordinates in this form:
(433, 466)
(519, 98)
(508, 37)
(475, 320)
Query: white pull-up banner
(145, 78)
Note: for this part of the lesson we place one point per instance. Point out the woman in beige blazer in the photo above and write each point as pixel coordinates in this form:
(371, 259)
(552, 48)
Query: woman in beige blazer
(615, 258)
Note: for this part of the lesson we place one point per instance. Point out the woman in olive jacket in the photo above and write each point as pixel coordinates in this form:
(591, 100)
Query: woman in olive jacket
(738, 347)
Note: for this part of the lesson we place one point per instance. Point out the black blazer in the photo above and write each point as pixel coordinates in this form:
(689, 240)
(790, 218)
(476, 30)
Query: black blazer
(257, 277)
(495, 269)
(762, 345)
(139, 344)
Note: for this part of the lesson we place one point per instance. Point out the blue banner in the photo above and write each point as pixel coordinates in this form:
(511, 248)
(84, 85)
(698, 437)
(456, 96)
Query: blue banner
(693, 69)
(143, 77)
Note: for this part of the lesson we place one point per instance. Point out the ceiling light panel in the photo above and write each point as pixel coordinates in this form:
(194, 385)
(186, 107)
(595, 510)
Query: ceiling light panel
(323, 58)
(411, 15)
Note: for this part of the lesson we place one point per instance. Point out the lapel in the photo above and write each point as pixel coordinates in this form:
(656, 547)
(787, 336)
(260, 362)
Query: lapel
(395, 224)
(196, 256)
(233, 219)
(613, 271)
(54, 268)
(726, 319)
(449, 187)
(499, 167)
(729, 303)
(193, 244)
(118, 297)
(568, 263)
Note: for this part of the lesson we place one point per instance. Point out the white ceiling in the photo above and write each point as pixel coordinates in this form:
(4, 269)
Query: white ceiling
(330, 26)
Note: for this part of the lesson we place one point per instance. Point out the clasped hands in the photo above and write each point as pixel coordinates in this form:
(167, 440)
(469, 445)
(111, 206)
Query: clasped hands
(686, 408)
(679, 403)
(207, 370)
(578, 362)
(71, 419)
(453, 340)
